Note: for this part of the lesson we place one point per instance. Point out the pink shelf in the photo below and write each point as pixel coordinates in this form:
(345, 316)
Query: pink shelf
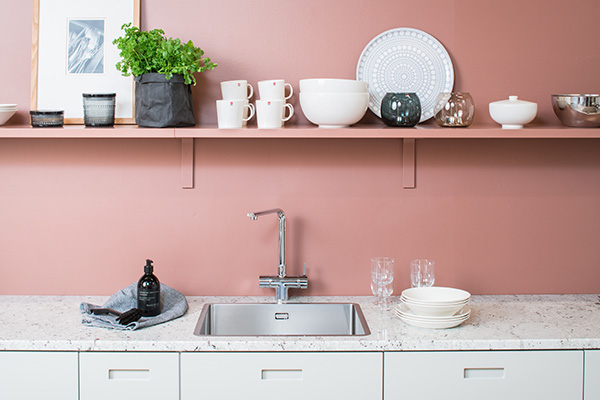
(427, 131)
(408, 136)
(80, 131)
(384, 132)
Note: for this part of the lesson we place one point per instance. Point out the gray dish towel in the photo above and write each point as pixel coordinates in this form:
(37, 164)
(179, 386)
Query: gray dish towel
(173, 305)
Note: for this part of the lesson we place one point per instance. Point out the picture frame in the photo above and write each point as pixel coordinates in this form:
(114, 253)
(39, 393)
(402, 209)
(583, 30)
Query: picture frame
(72, 54)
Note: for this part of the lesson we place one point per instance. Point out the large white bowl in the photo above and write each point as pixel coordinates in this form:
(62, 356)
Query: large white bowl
(436, 295)
(324, 85)
(6, 115)
(334, 110)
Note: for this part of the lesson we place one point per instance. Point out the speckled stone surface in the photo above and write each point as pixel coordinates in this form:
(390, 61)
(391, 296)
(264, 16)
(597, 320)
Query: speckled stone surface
(496, 322)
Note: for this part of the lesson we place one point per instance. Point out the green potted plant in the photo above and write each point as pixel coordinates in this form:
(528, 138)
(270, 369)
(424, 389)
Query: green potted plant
(163, 70)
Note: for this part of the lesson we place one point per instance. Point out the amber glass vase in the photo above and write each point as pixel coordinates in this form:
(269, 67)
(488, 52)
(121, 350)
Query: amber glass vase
(455, 109)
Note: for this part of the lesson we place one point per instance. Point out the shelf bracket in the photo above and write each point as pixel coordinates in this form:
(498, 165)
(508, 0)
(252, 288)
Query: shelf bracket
(187, 163)
(408, 163)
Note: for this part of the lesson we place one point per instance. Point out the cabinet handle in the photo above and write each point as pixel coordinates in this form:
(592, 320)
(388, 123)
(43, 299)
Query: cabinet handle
(484, 373)
(129, 374)
(281, 374)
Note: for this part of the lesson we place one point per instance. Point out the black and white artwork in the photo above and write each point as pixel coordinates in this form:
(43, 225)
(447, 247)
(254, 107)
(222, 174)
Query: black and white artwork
(72, 53)
(85, 46)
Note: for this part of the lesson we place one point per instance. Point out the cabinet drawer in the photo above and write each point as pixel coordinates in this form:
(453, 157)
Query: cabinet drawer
(293, 376)
(592, 375)
(129, 376)
(31, 375)
(484, 375)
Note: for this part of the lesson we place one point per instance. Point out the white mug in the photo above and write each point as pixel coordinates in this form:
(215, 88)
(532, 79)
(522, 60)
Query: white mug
(246, 113)
(236, 90)
(274, 89)
(270, 113)
(230, 113)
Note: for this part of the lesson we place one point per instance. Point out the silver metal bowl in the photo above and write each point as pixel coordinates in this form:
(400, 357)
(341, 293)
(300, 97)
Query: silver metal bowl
(577, 110)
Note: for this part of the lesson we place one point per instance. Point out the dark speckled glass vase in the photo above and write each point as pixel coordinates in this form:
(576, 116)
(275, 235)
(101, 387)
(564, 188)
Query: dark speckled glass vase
(401, 109)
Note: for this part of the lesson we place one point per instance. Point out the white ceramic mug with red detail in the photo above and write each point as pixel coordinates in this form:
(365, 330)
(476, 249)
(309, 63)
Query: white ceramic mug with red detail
(270, 114)
(236, 90)
(274, 89)
(230, 113)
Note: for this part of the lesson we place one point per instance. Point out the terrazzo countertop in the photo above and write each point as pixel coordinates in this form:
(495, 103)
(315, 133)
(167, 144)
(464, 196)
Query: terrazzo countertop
(496, 323)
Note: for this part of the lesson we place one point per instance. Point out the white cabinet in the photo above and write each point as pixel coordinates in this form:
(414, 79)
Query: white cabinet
(426, 375)
(489, 375)
(126, 376)
(290, 376)
(35, 375)
(592, 375)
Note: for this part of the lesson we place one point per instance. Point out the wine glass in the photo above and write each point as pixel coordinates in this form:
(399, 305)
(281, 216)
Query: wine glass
(382, 277)
(422, 273)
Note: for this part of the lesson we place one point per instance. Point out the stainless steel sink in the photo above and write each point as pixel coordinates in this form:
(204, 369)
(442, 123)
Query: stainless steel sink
(287, 319)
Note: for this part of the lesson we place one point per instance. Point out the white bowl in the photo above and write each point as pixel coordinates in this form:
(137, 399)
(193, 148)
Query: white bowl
(433, 324)
(441, 304)
(513, 113)
(405, 311)
(334, 110)
(324, 85)
(5, 115)
(435, 311)
(432, 302)
(436, 295)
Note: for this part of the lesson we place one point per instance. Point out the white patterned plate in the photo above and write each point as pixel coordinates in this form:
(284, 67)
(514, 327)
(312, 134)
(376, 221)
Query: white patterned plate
(405, 60)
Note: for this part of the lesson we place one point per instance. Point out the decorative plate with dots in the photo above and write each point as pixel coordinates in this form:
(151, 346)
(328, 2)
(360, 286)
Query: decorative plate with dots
(405, 60)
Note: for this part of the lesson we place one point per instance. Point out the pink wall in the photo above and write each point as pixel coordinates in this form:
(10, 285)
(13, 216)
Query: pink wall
(499, 216)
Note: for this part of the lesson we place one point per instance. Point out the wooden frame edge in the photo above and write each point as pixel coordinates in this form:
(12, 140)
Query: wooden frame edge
(35, 36)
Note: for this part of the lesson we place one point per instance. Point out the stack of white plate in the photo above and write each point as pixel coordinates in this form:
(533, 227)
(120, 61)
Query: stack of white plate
(434, 307)
(7, 111)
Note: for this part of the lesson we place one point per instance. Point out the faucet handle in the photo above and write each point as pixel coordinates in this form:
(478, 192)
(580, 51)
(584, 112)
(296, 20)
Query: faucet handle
(304, 274)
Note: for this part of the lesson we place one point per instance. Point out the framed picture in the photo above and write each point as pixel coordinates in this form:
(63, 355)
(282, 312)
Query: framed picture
(72, 54)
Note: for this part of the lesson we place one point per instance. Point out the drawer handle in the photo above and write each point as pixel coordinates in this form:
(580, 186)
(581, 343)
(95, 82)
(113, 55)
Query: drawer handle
(281, 374)
(484, 373)
(129, 374)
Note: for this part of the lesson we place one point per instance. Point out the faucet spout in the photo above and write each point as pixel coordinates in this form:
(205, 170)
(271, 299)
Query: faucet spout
(281, 269)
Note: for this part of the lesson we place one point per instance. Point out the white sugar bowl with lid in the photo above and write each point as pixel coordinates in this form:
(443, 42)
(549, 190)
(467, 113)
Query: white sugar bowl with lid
(513, 113)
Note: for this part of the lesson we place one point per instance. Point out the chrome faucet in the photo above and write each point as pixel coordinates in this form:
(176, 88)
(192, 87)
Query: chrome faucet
(281, 283)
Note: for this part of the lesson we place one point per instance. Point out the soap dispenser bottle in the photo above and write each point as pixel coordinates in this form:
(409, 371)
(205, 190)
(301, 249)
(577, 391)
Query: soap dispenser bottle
(148, 292)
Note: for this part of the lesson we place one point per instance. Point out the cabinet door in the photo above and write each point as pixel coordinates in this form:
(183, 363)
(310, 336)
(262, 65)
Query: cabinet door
(486, 375)
(126, 376)
(30, 375)
(592, 375)
(290, 376)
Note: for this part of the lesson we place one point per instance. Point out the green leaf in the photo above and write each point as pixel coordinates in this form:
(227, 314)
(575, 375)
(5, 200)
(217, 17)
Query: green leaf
(150, 51)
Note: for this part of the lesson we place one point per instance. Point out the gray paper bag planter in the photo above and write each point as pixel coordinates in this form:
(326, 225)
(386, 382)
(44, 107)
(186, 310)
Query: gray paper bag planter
(161, 103)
